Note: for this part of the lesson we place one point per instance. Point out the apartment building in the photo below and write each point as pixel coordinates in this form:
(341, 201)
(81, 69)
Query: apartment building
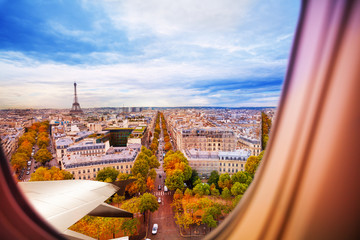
(87, 167)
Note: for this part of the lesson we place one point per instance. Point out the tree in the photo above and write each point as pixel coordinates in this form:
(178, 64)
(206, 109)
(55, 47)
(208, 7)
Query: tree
(202, 189)
(213, 190)
(194, 177)
(225, 193)
(188, 193)
(150, 183)
(236, 200)
(18, 161)
(252, 163)
(129, 226)
(183, 220)
(141, 166)
(44, 174)
(152, 174)
(43, 156)
(241, 177)
(175, 180)
(107, 172)
(167, 146)
(238, 188)
(148, 202)
(178, 195)
(118, 199)
(225, 181)
(214, 178)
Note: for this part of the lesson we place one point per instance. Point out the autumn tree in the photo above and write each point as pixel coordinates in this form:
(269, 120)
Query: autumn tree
(18, 161)
(252, 163)
(167, 146)
(44, 174)
(225, 181)
(177, 170)
(150, 184)
(43, 156)
(107, 172)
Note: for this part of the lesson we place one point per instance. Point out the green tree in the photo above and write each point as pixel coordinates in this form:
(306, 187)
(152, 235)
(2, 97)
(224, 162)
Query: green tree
(236, 200)
(129, 226)
(226, 193)
(43, 156)
(175, 180)
(213, 190)
(148, 202)
(238, 188)
(214, 178)
(224, 181)
(202, 189)
(241, 177)
(141, 166)
(107, 172)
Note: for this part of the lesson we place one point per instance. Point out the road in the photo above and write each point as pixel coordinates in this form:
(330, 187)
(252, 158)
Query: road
(164, 216)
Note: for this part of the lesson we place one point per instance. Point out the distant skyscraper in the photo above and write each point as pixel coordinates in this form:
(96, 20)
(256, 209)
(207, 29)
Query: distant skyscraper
(76, 106)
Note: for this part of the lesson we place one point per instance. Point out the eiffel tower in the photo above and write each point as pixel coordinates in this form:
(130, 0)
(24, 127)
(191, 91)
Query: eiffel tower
(76, 106)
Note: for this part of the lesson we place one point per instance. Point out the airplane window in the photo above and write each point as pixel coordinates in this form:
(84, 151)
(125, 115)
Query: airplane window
(148, 81)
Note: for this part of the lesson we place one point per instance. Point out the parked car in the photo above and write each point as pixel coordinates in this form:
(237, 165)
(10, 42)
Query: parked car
(155, 228)
(165, 189)
(159, 187)
(159, 200)
(159, 176)
(28, 168)
(27, 172)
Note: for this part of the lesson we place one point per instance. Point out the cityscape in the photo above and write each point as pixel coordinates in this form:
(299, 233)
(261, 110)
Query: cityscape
(193, 163)
(140, 120)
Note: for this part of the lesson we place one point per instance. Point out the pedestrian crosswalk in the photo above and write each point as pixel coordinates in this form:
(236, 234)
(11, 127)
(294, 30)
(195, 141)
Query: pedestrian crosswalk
(161, 193)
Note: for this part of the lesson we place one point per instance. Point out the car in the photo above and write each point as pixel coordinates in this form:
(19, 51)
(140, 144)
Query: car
(159, 187)
(159, 176)
(29, 163)
(27, 172)
(28, 168)
(159, 200)
(155, 228)
(165, 189)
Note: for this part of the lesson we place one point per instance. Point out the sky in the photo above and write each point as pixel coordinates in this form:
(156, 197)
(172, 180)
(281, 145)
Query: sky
(224, 53)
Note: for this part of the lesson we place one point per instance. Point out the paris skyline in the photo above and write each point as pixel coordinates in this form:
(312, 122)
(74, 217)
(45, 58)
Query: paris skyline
(158, 53)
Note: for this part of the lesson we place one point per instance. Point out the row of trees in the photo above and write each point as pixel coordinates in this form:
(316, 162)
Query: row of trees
(167, 145)
(44, 174)
(265, 129)
(143, 171)
(155, 142)
(36, 134)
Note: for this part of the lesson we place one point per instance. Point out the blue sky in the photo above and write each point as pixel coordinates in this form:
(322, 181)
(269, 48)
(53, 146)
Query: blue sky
(228, 53)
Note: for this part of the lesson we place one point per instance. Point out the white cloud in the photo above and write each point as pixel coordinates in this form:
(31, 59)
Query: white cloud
(162, 17)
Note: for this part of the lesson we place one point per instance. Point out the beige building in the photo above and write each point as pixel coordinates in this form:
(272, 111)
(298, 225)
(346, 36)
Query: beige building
(206, 139)
(87, 167)
(253, 145)
(222, 162)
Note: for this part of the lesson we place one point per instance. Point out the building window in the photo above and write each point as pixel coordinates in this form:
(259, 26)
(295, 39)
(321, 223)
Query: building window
(117, 167)
(242, 165)
(121, 167)
(98, 169)
(220, 164)
(229, 164)
(228, 169)
(88, 170)
(94, 170)
(94, 175)
(84, 171)
(236, 165)
(79, 172)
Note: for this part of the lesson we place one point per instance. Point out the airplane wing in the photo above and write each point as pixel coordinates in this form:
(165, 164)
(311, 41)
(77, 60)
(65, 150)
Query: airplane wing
(62, 203)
